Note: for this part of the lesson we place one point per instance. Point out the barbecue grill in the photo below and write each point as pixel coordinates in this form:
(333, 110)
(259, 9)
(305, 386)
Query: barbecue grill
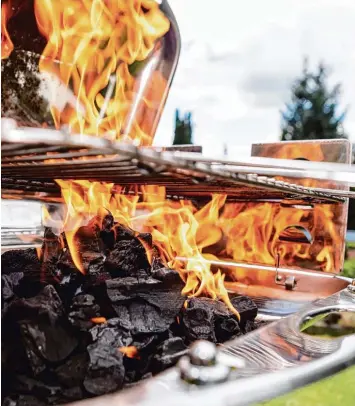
(307, 177)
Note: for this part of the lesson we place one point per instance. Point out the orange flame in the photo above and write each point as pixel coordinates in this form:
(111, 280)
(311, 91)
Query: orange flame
(98, 320)
(93, 47)
(6, 44)
(187, 237)
(130, 352)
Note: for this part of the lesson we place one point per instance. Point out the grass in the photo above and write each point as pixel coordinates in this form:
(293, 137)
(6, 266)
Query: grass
(349, 268)
(338, 390)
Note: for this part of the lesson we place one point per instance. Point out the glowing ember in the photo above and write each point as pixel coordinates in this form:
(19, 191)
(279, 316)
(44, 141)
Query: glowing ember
(98, 320)
(130, 352)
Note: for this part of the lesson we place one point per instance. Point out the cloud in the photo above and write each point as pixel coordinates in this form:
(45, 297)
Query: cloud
(239, 60)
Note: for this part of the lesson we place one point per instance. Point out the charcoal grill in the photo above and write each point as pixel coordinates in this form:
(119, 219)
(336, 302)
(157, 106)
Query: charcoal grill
(187, 174)
(275, 358)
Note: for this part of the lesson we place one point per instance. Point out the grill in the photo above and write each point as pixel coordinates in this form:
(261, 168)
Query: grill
(310, 178)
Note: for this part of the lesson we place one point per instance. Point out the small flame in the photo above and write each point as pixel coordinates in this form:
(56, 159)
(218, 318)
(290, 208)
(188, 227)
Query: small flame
(93, 48)
(98, 320)
(6, 44)
(130, 352)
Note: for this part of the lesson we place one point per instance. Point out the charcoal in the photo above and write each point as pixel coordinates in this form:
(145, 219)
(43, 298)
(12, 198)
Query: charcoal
(133, 384)
(46, 334)
(22, 400)
(73, 393)
(97, 273)
(83, 309)
(246, 308)
(72, 372)
(123, 232)
(208, 319)
(249, 326)
(19, 261)
(127, 257)
(22, 90)
(40, 389)
(51, 247)
(168, 353)
(146, 305)
(106, 372)
(9, 284)
(111, 334)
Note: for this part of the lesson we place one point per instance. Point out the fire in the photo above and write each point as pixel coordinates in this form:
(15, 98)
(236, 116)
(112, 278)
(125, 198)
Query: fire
(98, 44)
(174, 227)
(106, 54)
(6, 44)
(130, 352)
(187, 237)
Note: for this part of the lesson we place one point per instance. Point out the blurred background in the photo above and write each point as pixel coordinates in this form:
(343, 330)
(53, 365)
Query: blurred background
(242, 62)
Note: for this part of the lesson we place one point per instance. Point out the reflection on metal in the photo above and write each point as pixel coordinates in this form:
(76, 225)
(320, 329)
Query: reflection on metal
(273, 360)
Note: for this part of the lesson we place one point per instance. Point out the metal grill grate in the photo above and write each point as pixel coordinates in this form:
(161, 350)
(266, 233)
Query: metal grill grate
(33, 158)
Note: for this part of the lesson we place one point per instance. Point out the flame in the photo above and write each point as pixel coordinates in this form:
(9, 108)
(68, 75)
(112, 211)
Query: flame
(98, 320)
(188, 237)
(94, 47)
(130, 352)
(6, 44)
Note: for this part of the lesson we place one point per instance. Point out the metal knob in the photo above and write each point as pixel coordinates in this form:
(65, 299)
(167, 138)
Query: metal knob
(203, 353)
(201, 366)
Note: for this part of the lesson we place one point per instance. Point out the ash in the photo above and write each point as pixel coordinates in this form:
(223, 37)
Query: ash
(68, 335)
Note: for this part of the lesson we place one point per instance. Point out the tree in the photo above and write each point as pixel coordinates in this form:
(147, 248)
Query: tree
(183, 129)
(313, 111)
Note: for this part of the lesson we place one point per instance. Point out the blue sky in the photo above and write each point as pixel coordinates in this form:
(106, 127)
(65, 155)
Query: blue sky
(239, 58)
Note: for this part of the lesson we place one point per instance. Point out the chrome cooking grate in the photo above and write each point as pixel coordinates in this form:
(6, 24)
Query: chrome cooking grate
(32, 158)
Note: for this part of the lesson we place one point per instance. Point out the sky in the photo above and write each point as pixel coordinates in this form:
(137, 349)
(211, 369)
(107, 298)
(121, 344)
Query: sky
(239, 59)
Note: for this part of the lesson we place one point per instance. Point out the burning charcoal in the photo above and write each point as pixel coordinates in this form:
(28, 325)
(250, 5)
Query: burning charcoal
(127, 257)
(123, 233)
(106, 372)
(19, 261)
(82, 311)
(168, 353)
(45, 332)
(97, 272)
(52, 246)
(208, 319)
(246, 308)
(72, 372)
(146, 305)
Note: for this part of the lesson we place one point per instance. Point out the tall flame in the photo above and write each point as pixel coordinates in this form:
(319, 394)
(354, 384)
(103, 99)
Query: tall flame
(93, 47)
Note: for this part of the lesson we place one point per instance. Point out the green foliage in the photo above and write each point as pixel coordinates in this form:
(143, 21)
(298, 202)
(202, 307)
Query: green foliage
(313, 111)
(183, 129)
(339, 389)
